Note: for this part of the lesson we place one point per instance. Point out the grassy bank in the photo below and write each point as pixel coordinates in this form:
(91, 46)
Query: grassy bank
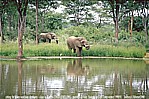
(45, 49)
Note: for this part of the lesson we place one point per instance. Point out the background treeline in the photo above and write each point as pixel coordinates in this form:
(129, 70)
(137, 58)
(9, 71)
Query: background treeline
(118, 22)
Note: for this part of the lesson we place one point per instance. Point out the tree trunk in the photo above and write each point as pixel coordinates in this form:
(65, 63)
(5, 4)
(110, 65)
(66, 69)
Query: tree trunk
(146, 31)
(42, 23)
(131, 25)
(145, 17)
(115, 12)
(36, 22)
(1, 33)
(145, 24)
(116, 29)
(20, 36)
(21, 24)
(24, 24)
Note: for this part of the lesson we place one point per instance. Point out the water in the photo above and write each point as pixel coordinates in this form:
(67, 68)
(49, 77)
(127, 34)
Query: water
(74, 79)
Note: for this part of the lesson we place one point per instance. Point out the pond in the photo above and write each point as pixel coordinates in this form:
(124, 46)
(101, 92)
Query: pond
(74, 79)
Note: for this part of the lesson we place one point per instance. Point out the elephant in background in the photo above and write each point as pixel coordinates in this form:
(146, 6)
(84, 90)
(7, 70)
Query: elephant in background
(48, 37)
(76, 43)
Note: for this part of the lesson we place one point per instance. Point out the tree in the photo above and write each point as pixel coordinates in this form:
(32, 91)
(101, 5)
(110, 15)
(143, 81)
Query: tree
(21, 8)
(53, 21)
(1, 33)
(2, 5)
(77, 9)
(130, 22)
(102, 10)
(145, 16)
(36, 21)
(138, 7)
(115, 8)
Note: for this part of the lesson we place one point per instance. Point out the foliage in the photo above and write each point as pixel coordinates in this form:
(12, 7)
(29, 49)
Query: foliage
(137, 25)
(53, 21)
(103, 35)
(78, 11)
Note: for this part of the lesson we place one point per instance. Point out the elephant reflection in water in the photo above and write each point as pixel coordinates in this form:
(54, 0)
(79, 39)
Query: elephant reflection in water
(76, 68)
(50, 70)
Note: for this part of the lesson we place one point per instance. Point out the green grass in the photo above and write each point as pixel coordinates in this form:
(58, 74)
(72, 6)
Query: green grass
(115, 51)
(46, 49)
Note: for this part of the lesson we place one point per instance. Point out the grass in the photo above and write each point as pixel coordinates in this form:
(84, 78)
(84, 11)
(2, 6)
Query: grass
(116, 51)
(46, 49)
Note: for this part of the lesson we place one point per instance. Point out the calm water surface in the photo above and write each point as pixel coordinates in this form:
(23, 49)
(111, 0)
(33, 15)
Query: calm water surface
(74, 79)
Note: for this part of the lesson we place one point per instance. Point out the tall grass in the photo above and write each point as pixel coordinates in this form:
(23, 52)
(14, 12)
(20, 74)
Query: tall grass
(8, 49)
(46, 49)
(115, 51)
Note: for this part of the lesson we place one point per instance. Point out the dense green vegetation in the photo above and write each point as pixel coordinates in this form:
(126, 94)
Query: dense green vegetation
(113, 28)
(101, 41)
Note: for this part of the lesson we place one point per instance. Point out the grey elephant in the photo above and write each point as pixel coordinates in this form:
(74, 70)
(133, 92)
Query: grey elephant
(76, 43)
(48, 37)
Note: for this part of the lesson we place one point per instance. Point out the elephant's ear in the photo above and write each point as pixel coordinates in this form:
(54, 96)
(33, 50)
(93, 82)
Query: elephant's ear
(83, 41)
(80, 38)
(53, 35)
(78, 42)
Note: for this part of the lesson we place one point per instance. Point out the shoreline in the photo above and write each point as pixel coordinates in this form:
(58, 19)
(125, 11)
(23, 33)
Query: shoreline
(71, 57)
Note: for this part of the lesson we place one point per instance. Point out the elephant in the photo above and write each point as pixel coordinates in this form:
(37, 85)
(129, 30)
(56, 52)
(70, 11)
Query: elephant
(76, 43)
(48, 36)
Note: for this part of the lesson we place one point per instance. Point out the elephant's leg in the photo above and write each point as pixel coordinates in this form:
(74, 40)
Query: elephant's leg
(56, 41)
(49, 40)
(79, 50)
(74, 50)
(43, 40)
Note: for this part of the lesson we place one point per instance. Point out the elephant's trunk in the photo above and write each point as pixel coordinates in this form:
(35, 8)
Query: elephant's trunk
(56, 41)
(87, 47)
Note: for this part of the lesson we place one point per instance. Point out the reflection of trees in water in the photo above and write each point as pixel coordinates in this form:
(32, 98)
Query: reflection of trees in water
(115, 83)
(146, 80)
(47, 80)
(20, 64)
(7, 81)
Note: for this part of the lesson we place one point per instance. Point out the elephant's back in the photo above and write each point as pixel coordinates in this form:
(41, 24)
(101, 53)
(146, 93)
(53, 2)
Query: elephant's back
(71, 39)
(43, 35)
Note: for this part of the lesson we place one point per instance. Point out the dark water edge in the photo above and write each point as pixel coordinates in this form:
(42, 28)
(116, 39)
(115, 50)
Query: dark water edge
(85, 78)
